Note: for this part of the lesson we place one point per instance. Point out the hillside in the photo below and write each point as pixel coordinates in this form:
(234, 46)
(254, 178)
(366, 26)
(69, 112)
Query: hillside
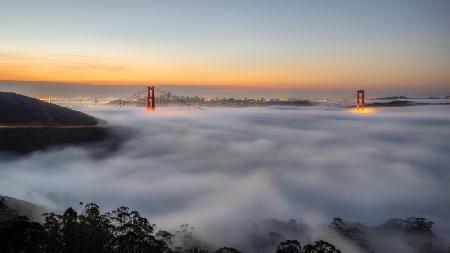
(28, 124)
(11, 207)
(17, 109)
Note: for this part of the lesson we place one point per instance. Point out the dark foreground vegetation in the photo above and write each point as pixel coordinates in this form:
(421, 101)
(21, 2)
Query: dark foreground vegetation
(123, 230)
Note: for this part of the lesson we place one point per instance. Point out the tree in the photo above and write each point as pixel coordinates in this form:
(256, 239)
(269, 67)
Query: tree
(133, 233)
(2, 202)
(70, 231)
(320, 247)
(53, 229)
(92, 231)
(354, 232)
(414, 224)
(186, 238)
(227, 250)
(195, 250)
(289, 246)
(21, 235)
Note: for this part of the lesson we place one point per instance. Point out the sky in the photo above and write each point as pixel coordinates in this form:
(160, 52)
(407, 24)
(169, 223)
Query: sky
(306, 44)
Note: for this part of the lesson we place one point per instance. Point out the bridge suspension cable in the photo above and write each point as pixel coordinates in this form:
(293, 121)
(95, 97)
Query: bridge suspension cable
(343, 102)
(169, 95)
(369, 97)
(163, 92)
(124, 102)
(352, 98)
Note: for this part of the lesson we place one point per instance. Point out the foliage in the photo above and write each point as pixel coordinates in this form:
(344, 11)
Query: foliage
(293, 246)
(2, 202)
(320, 247)
(90, 231)
(120, 231)
(356, 233)
(289, 246)
(21, 235)
(422, 225)
(227, 250)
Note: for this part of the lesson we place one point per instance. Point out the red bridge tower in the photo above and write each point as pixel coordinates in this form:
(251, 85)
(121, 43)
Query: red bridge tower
(360, 100)
(150, 98)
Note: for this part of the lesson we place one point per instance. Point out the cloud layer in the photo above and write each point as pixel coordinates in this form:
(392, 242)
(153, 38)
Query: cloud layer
(230, 165)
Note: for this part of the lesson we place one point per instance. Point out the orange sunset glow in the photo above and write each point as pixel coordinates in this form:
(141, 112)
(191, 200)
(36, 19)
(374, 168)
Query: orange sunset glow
(173, 70)
(290, 45)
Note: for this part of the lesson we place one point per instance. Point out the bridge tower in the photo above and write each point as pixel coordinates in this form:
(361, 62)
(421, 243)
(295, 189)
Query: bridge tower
(150, 98)
(360, 96)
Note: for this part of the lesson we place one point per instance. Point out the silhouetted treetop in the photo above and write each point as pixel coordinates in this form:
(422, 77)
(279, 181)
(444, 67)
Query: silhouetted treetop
(289, 246)
(227, 250)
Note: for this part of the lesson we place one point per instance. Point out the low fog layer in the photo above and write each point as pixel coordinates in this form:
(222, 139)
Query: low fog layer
(226, 166)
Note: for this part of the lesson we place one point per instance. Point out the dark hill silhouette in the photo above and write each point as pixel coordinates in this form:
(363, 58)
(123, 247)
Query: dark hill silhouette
(11, 207)
(17, 109)
(28, 124)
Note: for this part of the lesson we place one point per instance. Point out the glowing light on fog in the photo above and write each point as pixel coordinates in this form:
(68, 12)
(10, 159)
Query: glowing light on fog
(363, 111)
(167, 111)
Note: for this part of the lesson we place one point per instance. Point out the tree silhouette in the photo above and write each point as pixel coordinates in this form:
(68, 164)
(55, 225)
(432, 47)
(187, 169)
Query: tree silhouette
(422, 225)
(91, 232)
(195, 250)
(320, 247)
(21, 235)
(293, 246)
(289, 246)
(53, 228)
(2, 202)
(125, 231)
(227, 250)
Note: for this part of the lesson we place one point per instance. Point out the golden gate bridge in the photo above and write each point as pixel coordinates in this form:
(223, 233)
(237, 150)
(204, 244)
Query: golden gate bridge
(358, 98)
(355, 99)
(151, 98)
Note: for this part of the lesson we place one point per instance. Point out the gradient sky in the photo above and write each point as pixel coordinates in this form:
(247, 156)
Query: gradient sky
(244, 43)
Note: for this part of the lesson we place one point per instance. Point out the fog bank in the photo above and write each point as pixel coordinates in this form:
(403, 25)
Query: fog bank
(226, 166)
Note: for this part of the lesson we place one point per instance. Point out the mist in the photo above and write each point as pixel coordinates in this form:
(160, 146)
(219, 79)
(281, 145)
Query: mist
(227, 166)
